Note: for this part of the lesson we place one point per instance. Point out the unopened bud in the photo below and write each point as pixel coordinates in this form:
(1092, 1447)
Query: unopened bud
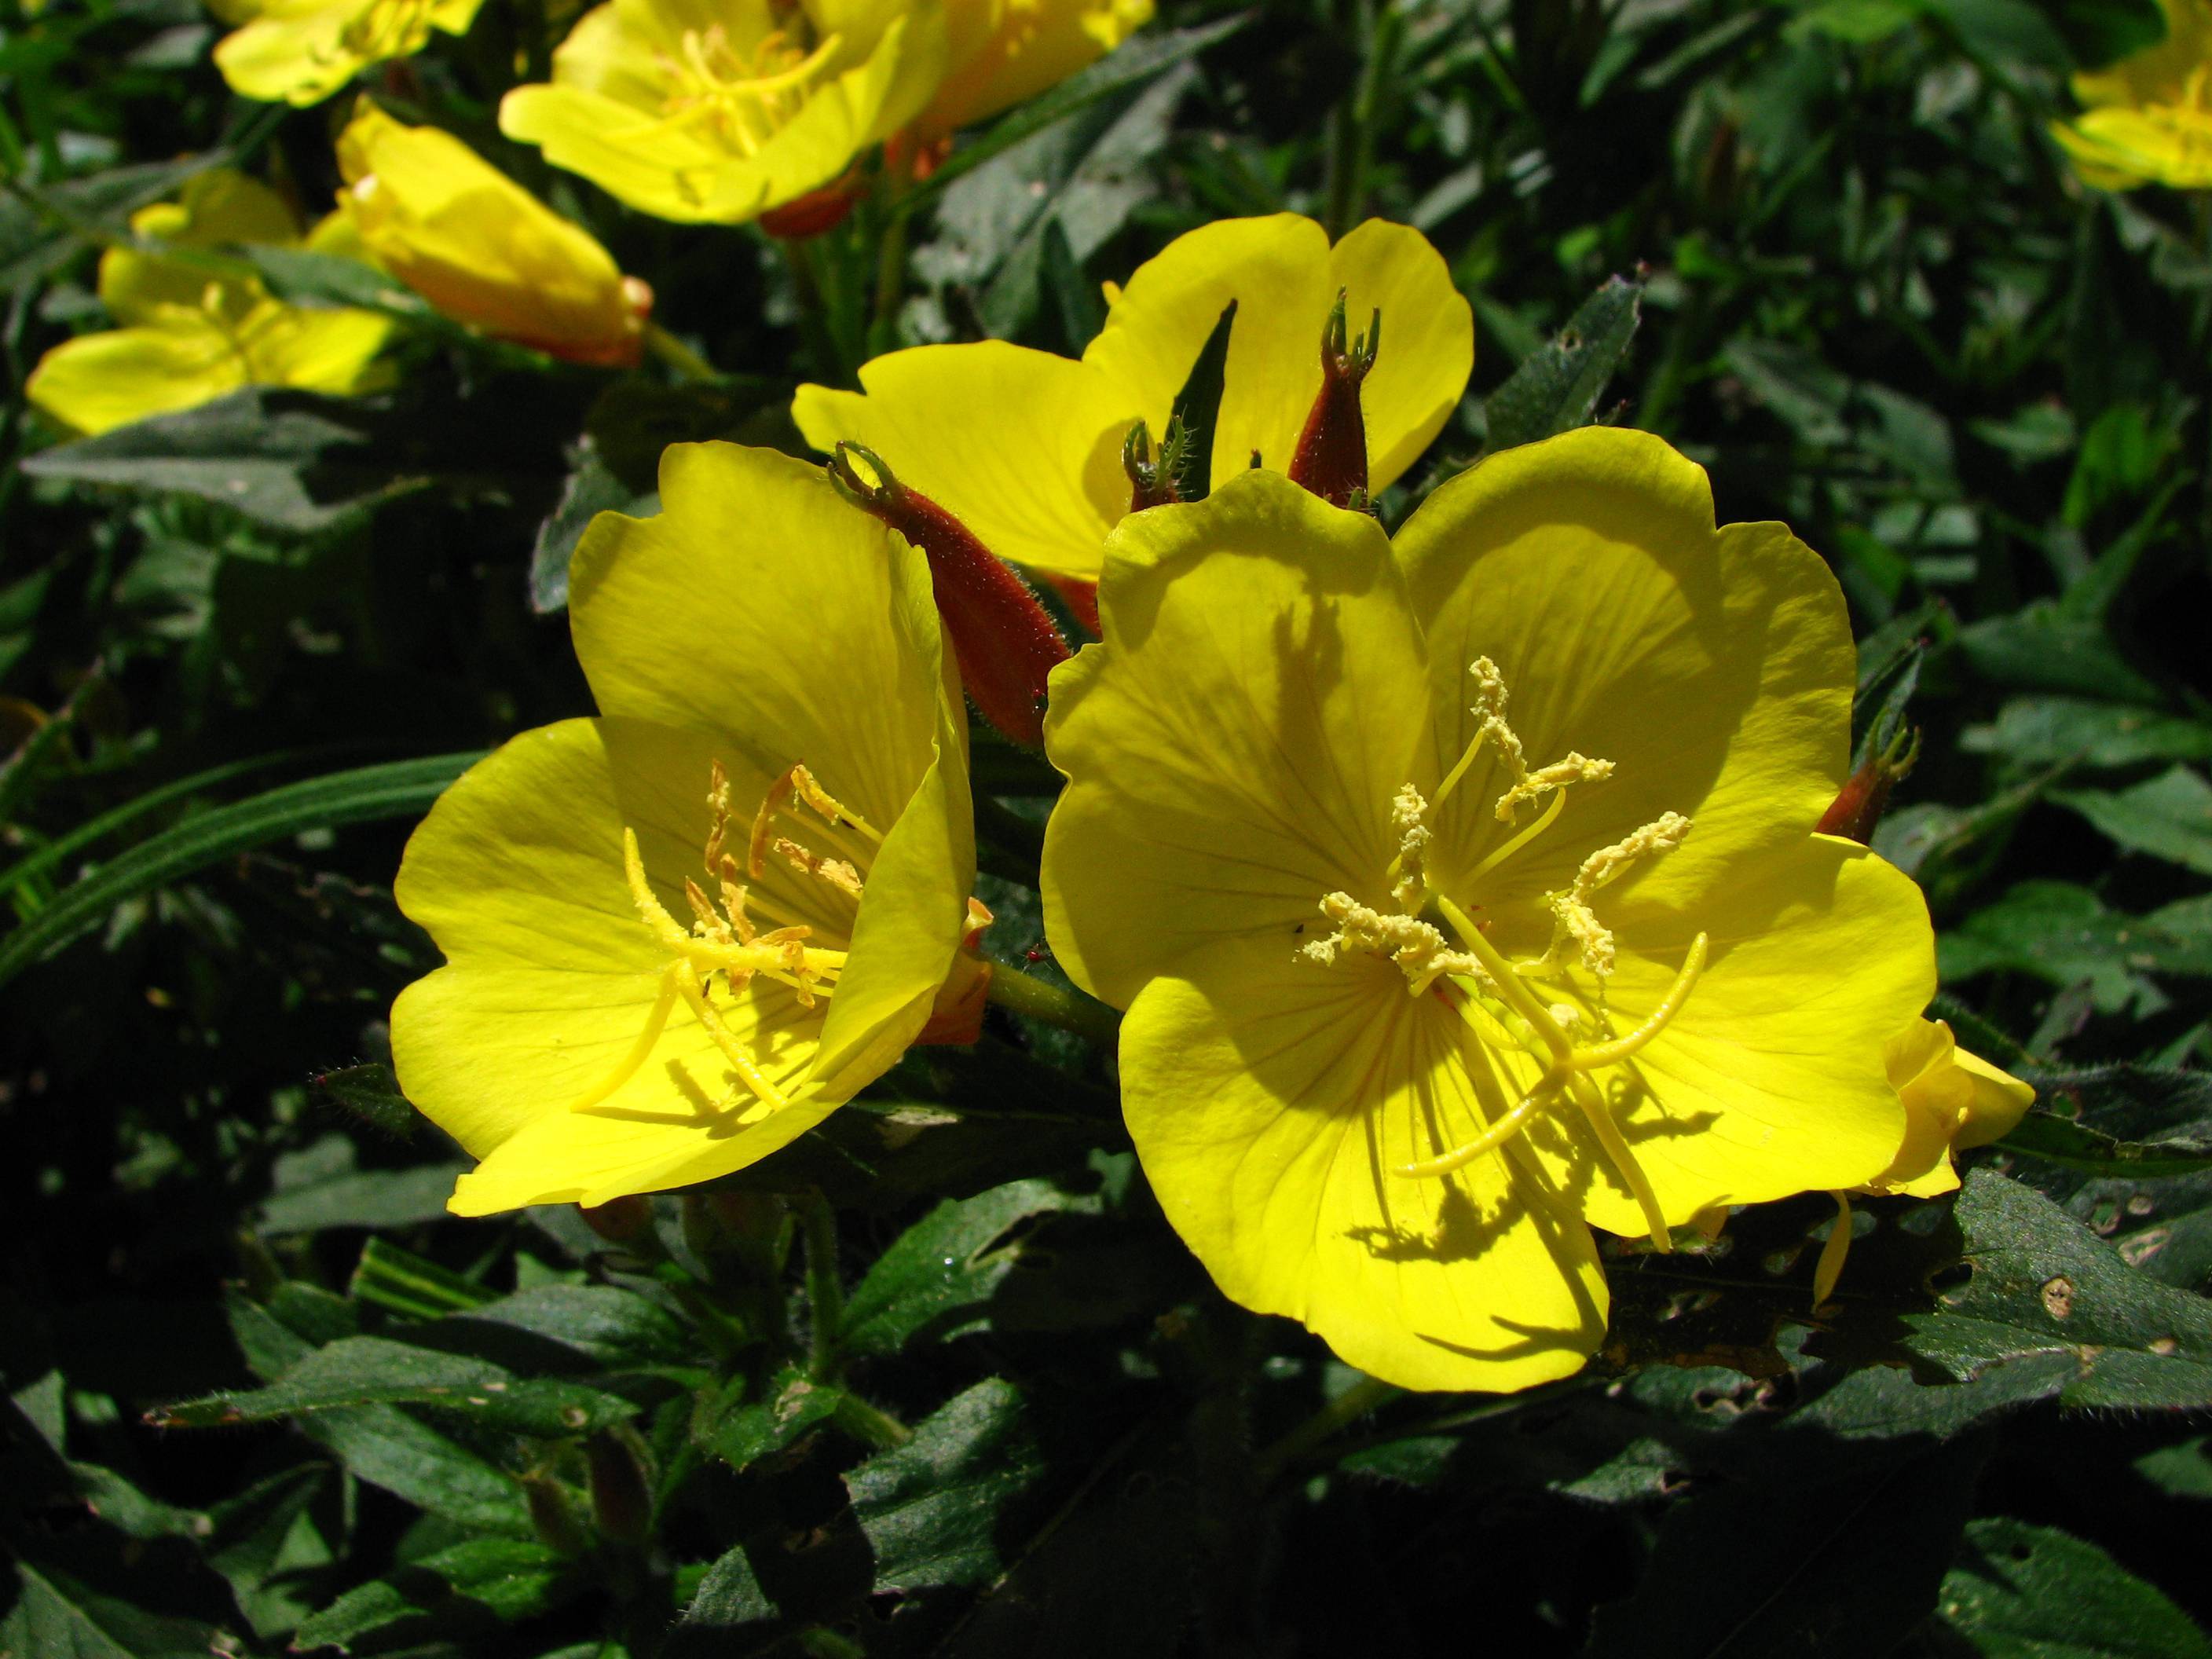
(817, 211)
(1006, 643)
(1858, 806)
(551, 1516)
(1331, 457)
(956, 1019)
(619, 1220)
(622, 1497)
(1154, 480)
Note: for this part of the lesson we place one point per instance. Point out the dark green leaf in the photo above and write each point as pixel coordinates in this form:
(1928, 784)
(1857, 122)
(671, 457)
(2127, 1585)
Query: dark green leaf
(936, 1277)
(792, 1403)
(2063, 934)
(292, 461)
(935, 1510)
(402, 789)
(729, 1612)
(372, 1094)
(2031, 732)
(41, 230)
(592, 489)
(411, 1284)
(56, 1617)
(324, 279)
(2168, 816)
(2042, 1292)
(2042, 647)
(370, 1370)
(1135, 62)
(1556, 388)
(362, 1198)
(2180, 1471)
(1197, 408)
(465, 1590)
(384, 1446)
(2024, 1592)
(1813, 1554)
(597, 1324)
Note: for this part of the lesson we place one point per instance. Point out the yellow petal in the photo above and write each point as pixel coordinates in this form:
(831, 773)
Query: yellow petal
(99, 381)
(479, 247)
(1005, 53)
(2000, 1100)
(300, 51)
(1284, 277)
(1270, 1103)
(321, 350)
(1771, 1079)
(760, 606)
(214, 208)
(1276, 269)
(1714, 669)
(1233, 746)
(1024, 447)
(628, 109)
(552, 974)
(1922, 1063)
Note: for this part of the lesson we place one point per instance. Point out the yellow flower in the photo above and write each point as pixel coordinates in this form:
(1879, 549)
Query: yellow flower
(716, 110)
(300, 51)
(193, 332)
(1953, 1101)
(481, 248)
(1004, 52)
(1460, 893)
(681, 934)
(1025, 447)
(2147, 119)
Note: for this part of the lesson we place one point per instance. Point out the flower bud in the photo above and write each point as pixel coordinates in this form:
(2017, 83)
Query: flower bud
(482, 249)
(956, 1019)
(1006, 643)
(1331, 457)
(621, 1495)
(817, 211)
(620, 1220)
(1154, 480)
(1858, 806)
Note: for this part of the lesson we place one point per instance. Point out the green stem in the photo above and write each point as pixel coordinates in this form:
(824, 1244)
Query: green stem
(825, 1291)
(890, 279)
(1376, 26)
(870, 1423)
(1331, 1420)
(686, 362)
(1041, 1000)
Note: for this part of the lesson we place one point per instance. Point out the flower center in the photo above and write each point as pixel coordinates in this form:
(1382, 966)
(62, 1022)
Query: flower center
(1444, 953)
(725, 948)
(743, 98)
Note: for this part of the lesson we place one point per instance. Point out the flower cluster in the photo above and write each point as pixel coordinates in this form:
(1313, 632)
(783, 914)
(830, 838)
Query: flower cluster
(1462, 888)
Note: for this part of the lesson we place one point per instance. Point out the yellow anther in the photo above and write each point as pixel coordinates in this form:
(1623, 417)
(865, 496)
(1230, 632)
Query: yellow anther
(1416, 946)
(778, 791)
(832, 873)
(1572, 919)
(831, 809)
(1408, 813)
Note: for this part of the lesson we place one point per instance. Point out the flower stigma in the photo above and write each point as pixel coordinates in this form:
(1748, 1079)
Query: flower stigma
(725, 940)
(1443, 952)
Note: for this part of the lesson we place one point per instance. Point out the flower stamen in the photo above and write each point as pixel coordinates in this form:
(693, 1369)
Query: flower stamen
(722, 940)
(1497, 999)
